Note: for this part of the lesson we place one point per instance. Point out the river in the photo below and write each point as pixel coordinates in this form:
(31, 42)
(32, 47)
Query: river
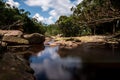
(81, 63)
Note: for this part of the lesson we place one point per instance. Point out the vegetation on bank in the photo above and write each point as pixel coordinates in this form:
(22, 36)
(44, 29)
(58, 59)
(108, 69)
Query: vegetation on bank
(52, 30)
(89, 17)
(92, 17)
(18, 19)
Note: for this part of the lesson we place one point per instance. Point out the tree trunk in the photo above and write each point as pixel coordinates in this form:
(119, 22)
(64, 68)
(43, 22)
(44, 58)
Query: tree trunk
(113, 28)
(94, 30)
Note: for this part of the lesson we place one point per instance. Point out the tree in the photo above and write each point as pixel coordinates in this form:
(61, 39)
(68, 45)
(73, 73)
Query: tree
(52, 30)
(96, 13)
(18, 19)
(68, 27)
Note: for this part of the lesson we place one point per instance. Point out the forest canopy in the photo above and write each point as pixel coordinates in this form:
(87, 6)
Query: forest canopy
(92, 17)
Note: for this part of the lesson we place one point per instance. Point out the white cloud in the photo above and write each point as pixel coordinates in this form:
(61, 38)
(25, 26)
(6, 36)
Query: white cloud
(53, 13)
(12, 3)
(38, 17)
(49, 20)
(56, 8)
(78, 1)
(44, 4)
(42, 19)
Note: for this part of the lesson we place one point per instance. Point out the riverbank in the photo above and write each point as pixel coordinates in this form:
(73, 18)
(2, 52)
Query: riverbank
(73, 42)
(14, 66)
(92, 49)
(15, 50)
(14, 62)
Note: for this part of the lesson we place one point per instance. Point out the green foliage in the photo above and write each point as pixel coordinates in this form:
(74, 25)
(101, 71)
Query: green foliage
(31, 26)
(86, 17)
(8, 16)
(68, 26)
(85, 30)
(89, 11)
(52, 30)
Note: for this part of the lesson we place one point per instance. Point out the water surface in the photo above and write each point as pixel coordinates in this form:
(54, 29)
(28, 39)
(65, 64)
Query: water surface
(48, 65)
(81, 63)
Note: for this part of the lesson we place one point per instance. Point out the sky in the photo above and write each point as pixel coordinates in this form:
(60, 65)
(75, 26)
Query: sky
(46, 11)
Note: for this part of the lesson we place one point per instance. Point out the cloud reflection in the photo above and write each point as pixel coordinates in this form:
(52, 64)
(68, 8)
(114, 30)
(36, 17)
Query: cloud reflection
(48, 65)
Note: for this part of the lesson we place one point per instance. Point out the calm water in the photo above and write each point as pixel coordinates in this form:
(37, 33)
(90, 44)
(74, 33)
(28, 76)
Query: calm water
(48, 65)
(80, 63)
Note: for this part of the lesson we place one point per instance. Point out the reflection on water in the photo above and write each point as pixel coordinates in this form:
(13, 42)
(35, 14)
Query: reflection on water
(98, 63)
(48, 65)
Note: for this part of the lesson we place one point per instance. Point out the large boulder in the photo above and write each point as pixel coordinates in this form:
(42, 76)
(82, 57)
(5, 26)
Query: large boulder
(14, 40)
(35, 38)
(15, 33)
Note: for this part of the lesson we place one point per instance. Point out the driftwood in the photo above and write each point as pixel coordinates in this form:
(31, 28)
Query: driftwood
(100, 21)
(104, 20)
(116, 36)
(17, 23)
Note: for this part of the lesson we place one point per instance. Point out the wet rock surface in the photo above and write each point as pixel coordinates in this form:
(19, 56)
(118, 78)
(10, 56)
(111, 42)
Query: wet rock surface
(14, 67)
(14, 62)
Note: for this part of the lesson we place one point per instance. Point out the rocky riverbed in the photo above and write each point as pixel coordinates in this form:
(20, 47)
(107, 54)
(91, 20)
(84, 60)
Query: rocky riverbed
(14, 62)
(15, 50)
(16, 37)
(73, 42)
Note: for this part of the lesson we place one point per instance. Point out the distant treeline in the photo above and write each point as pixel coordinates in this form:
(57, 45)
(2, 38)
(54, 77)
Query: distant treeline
(92, 17)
